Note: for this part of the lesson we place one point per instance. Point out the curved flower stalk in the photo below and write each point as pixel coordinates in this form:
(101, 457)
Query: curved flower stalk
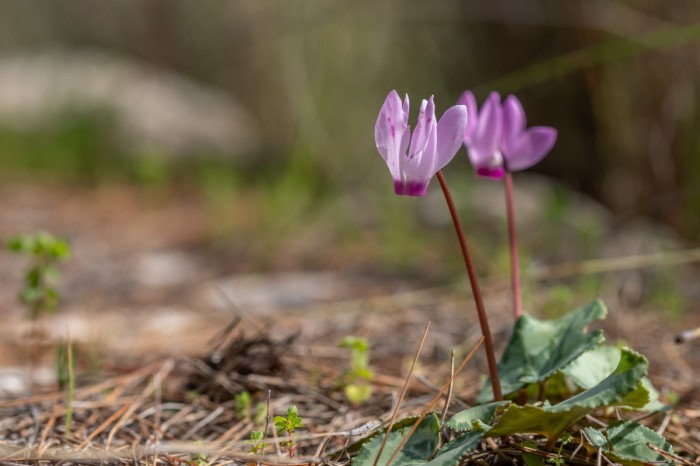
(499, 142)
(431, 147)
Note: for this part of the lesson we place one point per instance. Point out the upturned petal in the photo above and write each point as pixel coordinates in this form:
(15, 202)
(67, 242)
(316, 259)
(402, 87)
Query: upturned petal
(472, 114)
(484, 149)
(531, 147)
(432, 145)
(426, 119)
(391, 132)
(450, 131)
(513, 123)
(419, 167)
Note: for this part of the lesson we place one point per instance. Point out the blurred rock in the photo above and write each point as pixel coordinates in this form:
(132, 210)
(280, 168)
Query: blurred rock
(263, 294)
(153, 109)
(17, 381)
(166, 268)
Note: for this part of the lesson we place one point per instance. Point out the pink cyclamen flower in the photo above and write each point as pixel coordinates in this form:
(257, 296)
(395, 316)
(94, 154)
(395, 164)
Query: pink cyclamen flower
(432, 146)
(497, 138)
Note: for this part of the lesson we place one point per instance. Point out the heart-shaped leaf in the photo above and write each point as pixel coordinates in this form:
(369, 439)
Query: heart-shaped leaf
(540, 348)
(452, 453)
(627, 442)
(552, 420)
(417, 450)
(593, 367)
(477, 417)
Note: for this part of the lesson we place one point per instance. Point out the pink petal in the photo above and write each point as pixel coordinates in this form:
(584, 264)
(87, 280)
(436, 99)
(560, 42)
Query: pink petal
(390, 132)
(486, 138)
(426, 117)
(450, 134)
(495, 173)
(513, 122)
(419, 167)
(531, 147)
(411, 188)
(472, 114)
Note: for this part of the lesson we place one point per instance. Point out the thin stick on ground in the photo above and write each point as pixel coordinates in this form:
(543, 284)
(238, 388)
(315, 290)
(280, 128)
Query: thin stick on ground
(403, 393)
(476, 291)
(267, 424)
(514, 254)
(617, 264)
(687, 335)
(669, 455)
(448, 398)
(71, 385)
(430, 405)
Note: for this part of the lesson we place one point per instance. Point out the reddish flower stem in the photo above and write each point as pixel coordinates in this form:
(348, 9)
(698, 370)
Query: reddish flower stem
(476, 291)
(514, 255)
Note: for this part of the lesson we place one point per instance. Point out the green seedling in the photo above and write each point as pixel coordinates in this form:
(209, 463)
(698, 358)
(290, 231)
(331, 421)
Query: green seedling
(358, 377)
(257, 445)
(39, 293)
(242, 405)
(260, 414)
(558, 460)
(289, 424)
(66, 355)
(200, 459)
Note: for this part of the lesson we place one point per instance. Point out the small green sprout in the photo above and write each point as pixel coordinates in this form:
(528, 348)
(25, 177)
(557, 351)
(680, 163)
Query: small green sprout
(45, 250)
(242, 404)
(357, 379)
(558, 460)
(289, 424)
(257, 445)
(66, 356)
(260, 415)
(200, 459)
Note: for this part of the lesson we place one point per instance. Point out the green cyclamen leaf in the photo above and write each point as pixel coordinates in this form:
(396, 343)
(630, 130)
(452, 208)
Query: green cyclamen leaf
(452, 452)
(552, 420)
(593, 367)
(531, 459)
(417, 451)
(628, 443)
(477, 417)
(595, 437)
(540, 348)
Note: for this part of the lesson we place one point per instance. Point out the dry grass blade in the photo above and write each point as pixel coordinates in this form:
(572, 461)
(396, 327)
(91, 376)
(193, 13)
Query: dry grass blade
(432, 403)
(687, 336)
(403, 394)
(448, 398)
(668, 455)
(101, 428)
(197, 399)
(616, 264)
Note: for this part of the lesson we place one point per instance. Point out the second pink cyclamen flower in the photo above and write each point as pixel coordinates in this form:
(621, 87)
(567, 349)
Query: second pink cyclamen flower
(497, 139)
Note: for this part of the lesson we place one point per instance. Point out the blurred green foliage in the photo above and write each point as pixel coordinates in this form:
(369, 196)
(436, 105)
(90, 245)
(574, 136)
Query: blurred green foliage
(44, 250)
(357, 379)
(618, 79)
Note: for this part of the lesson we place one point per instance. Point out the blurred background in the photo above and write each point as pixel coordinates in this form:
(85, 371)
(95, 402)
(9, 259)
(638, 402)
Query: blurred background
(175, 142)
